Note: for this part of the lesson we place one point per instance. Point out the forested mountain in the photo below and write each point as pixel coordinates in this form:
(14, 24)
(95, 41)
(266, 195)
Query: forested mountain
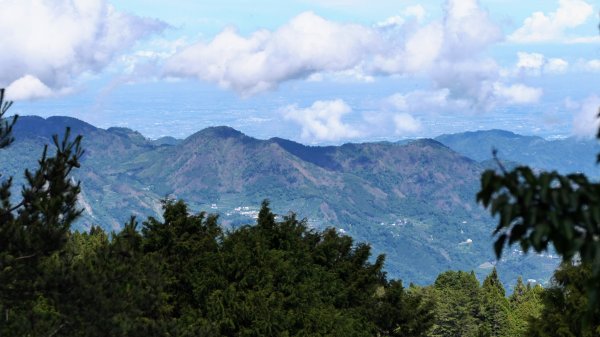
(413, 202)
(185, 274)
(566, 155)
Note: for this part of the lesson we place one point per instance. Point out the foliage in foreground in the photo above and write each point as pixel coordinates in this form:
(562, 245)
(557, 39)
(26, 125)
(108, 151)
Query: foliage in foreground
(537, 210)
(184, 277)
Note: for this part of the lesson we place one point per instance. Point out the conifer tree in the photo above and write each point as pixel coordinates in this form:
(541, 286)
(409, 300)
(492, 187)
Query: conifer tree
(33, 228)
(525, 305)
(6, 125)
(519, 292)
(457, 304)
(494, 307)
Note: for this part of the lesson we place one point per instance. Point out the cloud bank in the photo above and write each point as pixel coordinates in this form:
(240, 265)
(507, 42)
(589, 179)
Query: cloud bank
(552, 27)
(307, 44)
(451, 52)
(48, 44)
(310, 44)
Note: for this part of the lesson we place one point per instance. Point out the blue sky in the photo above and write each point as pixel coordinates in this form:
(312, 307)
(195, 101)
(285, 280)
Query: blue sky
(316, 71)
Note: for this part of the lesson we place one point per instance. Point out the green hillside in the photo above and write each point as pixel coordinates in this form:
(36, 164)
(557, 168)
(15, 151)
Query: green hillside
(413, 202)
(566, 155)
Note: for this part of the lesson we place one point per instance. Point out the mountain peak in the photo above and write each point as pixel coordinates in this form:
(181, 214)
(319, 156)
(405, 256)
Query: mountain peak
(38, 126)
(427, 142)
(221, 132)
(487, 134)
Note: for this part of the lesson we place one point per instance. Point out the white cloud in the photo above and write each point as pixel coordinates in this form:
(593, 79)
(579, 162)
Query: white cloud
(417, 12)
(406, 124)
(322, 121)
(26, 88)
(591, 65)
(536, 64)
(310, 44)
(450, 51)
(305, 45)
(414, 55)
(46, 45)
(585, 119)
(530, 62)
(541, 27)
(468, 29)
(462, 34)
(518, 93)
(441, 101)
(392, 21)
(556, 66)
(584, 39)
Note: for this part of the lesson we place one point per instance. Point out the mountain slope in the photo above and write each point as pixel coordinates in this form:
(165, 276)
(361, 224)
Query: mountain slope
(413, 202)
(565, 155)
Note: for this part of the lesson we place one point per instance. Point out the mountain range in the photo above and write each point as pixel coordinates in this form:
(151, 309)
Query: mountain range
(413, 201)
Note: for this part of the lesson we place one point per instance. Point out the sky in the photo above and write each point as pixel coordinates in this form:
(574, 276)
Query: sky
(314, 71)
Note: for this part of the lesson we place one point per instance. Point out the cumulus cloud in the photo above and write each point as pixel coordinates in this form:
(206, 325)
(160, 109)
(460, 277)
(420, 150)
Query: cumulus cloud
(451, 51)
(322, 121)
(442, 101)
(530, 62)
(535, 64)
(310, 44)
(48, 44)
(556, 66)
(26, 88)
(541, 27)
(468, 29)
(406, 123)
(470, 81)
(590, 65)
(306, 45)
(409, 53)
(585, 119)
(518, 93)
(463, 33)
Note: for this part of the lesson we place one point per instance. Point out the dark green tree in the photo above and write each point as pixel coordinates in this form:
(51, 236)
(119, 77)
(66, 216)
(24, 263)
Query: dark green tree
(33, 228)
(456, 296)
(401, 312)
(494, 310)
(565, 306)
(525, 305)
(188, 245)
(114, 288)
(275, 278)
(6, 125)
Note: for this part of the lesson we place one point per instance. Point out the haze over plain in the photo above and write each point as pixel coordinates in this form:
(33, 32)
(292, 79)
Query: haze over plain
(320, 72)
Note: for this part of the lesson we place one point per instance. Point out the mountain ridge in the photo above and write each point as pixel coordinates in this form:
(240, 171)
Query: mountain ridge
(413, 201)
